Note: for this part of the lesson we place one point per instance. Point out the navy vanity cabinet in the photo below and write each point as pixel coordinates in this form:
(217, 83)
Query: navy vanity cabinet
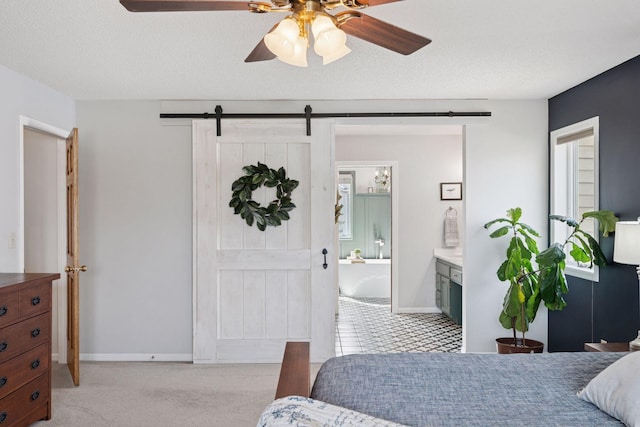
(449, 290)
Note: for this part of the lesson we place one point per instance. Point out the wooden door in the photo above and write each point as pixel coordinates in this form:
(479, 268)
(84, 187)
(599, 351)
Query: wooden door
(253, 290)
(72, 269)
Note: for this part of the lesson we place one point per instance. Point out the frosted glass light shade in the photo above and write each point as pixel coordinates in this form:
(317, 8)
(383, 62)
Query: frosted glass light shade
(327, 59)
(282, 41)
(626, 249)
(299, 55)
(329, 41)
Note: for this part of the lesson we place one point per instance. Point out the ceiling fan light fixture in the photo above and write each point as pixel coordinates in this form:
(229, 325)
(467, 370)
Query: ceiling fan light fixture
(334, 56)
(298, 56)
(329, 40)
(307, 16)
(282, 41)
(321, 23)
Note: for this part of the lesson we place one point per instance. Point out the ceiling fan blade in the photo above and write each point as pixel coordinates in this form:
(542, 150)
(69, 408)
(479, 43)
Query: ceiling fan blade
(184, 5)
(261, 52)
(379, 32)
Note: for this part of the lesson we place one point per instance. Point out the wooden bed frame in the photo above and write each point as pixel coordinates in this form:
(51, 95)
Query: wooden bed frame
(295, 372)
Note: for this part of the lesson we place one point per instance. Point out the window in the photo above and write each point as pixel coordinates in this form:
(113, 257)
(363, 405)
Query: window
(346, 186)
(574, 184)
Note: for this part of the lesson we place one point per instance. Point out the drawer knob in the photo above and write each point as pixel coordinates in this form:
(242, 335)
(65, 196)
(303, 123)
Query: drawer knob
(35, 364)
(3, 310)
(3, 416)
(3, 346)
(35, 395)
(35, 332)
(35, 300)
(3, 381)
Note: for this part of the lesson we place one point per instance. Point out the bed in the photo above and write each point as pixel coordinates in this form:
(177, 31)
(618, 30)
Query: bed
(453, 389)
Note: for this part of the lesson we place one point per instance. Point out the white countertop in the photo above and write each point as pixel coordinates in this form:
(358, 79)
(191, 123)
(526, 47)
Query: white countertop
(452, 256)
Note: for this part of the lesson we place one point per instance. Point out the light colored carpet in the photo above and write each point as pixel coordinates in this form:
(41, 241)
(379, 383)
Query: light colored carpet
(162, 394)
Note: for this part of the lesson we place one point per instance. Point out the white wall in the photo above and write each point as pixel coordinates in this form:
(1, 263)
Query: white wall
(22, 96)
(40, 202)
(424, 161)
(135, 208)
(135, 222)
(41, 213)
(505, 167)
(135, 212)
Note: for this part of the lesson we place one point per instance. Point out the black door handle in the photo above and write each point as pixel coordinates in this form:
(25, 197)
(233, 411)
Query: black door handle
(324, 252)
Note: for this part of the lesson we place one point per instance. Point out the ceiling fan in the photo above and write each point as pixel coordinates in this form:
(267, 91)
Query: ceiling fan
(288, 40)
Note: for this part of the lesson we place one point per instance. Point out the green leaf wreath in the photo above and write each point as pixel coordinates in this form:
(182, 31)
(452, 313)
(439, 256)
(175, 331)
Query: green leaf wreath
(254, 177)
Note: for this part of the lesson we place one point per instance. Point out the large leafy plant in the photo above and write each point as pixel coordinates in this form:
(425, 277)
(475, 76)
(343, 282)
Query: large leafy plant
(535, 276)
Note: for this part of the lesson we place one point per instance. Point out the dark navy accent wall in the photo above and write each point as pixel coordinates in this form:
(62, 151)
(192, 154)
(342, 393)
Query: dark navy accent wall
(609, 308)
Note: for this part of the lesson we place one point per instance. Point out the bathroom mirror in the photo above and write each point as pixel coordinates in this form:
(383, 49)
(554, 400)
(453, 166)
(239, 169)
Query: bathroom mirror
(346, 188)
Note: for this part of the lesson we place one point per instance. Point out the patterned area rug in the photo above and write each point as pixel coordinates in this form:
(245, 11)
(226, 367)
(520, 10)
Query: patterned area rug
(366, 325)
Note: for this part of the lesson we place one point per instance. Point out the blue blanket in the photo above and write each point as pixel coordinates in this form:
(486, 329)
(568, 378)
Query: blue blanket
(452, 389)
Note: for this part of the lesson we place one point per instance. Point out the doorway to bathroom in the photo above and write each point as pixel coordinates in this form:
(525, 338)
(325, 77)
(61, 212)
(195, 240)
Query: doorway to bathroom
(364, 226)
(419, 158)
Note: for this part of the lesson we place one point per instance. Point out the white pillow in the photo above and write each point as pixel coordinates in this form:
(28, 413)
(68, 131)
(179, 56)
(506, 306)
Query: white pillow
(616, 390)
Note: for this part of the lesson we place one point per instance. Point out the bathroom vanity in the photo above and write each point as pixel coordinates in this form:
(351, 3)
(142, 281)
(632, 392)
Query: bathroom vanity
(449, 285)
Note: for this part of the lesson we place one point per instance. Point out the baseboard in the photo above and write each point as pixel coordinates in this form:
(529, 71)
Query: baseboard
(419, 310)
(135, 357)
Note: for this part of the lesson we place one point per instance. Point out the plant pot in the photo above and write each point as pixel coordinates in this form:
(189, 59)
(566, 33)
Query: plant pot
(506, 346)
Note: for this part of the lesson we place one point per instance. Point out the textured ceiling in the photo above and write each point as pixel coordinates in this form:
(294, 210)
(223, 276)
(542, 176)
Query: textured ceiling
(496, 49)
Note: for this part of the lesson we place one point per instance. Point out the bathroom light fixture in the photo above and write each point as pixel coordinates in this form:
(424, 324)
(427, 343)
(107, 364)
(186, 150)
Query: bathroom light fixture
(384, 179)
(290, 39)
(626, 250)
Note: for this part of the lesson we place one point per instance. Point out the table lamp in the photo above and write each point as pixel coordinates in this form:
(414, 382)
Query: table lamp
(626, 250)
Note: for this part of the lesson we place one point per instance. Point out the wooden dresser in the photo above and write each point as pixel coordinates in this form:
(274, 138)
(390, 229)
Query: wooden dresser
(25, 348)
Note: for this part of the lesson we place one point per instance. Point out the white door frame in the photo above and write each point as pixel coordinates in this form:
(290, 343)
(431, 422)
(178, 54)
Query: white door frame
(395, 214)
(61, 134)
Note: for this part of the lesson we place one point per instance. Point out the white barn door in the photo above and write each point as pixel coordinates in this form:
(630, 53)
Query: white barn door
(254, 290)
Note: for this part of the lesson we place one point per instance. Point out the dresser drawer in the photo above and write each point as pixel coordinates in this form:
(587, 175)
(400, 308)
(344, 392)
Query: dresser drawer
(9, 307)
(35, 299)
(27, 399)
(21, 369)
(23, 336)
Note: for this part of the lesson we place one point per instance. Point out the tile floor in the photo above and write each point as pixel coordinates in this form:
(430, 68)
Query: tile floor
(366, 325)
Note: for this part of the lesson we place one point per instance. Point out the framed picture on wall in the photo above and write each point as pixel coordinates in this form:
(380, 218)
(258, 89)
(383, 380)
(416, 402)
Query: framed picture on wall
(450, 191)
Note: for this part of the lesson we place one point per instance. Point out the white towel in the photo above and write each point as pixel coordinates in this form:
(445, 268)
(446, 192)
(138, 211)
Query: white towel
(451, 235)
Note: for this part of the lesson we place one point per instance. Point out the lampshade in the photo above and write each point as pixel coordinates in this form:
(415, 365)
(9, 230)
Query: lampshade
(335, 55)
(286, 43)
(626, 248)
(282, 40)
(329, 41)
(299, 55)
